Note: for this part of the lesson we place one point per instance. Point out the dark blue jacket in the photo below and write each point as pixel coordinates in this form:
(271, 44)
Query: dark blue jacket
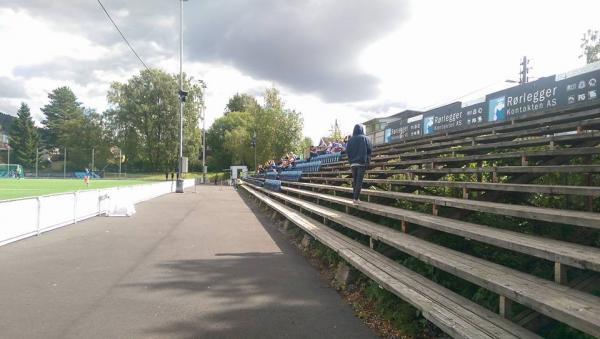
(359, 147)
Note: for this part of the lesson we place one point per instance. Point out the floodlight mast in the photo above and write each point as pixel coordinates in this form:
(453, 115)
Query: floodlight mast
(203, 109)
(182, 94)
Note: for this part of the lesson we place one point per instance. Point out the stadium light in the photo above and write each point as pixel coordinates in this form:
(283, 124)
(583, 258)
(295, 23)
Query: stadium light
(203, 116)
(182, 95)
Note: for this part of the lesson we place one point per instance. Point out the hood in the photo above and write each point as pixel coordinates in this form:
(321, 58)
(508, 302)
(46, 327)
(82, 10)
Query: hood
(358, 130)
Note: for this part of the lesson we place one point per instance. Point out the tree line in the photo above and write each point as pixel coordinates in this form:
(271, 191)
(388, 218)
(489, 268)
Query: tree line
(247, 127)
(140, 128)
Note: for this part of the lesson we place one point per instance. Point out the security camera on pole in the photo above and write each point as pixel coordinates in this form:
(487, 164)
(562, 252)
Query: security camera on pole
(182, 96)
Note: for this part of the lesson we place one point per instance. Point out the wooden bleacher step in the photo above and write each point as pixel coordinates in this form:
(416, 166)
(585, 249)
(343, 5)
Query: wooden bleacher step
(571, 254)
(572, 307)
(569, 217)
(454, 314)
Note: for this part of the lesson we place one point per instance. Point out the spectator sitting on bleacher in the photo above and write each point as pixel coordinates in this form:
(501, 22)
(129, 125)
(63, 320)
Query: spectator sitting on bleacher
(337, 147)
(359, 150)
(313, 152)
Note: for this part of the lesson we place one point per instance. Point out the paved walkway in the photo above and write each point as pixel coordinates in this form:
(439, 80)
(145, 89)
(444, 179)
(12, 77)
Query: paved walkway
(192, 265)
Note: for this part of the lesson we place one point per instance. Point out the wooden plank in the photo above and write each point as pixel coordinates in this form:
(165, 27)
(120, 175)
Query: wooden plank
(505, 307)
(461, 170)
(483, 186)
(394, 160)
(560, 273)
(473, 311)
(569, 217)
(549, 249)
(454, 314)
(575, 308)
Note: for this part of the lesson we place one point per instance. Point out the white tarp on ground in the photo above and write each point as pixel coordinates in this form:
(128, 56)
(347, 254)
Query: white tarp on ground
(21, 218)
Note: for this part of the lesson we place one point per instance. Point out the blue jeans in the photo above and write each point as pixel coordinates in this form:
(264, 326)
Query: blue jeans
(358, 173)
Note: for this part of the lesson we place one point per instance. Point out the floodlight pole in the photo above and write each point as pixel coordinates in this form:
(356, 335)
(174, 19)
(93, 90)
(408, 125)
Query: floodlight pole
(37, 157)
(120, 160)
(203, 141)
(93, 155)
(8, 160)
(203, 86)
(179, 186)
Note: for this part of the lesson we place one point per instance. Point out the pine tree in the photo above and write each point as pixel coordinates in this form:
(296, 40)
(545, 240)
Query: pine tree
(23, 138)
(64, 115)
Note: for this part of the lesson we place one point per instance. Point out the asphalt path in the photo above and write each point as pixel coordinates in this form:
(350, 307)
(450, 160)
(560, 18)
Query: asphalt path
(193, 265)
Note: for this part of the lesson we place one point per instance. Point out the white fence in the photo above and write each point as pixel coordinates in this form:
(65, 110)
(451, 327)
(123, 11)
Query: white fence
(21, 218)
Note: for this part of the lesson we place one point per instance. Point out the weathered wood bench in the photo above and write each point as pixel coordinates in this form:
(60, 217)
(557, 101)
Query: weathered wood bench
(562, 252)
(455, 315)
(578, 218)
(593, 191)
(575, 308)
(524, 156)
(469, 170)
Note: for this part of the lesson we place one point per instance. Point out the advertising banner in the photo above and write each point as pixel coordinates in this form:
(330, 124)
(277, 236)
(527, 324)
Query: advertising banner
(453, 116)
(404, 127)
(578, 88)
(535, 96)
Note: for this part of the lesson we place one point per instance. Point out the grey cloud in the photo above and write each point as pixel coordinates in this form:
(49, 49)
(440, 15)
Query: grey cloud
(78, 71)
(11, 88)
(309, 46)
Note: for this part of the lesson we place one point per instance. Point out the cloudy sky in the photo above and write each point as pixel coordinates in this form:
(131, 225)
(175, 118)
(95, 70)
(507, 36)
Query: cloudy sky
(349, 60)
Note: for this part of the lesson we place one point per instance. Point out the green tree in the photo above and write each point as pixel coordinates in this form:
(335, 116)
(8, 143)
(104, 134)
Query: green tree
(65, 126)
(278, 131)
(63, 114)
(24, 138)
(144, 120)
(242, 103)
(273, 99)
(304, 147)
(590, 45)
(95, 139)
(226, 136)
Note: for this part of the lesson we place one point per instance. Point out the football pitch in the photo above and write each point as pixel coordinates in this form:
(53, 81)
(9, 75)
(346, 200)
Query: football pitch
(13, 188)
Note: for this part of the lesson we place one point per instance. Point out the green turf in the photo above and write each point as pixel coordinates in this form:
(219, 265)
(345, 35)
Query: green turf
(13, 188)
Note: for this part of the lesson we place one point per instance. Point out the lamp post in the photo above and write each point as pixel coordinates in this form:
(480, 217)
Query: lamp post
(203, 108)
(182, 95)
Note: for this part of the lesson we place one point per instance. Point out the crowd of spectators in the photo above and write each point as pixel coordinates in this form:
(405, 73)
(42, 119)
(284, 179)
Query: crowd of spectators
(288, 161)
(334, 146)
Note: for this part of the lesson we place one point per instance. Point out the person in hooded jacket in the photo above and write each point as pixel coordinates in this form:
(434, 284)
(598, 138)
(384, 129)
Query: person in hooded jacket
(359, 151)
